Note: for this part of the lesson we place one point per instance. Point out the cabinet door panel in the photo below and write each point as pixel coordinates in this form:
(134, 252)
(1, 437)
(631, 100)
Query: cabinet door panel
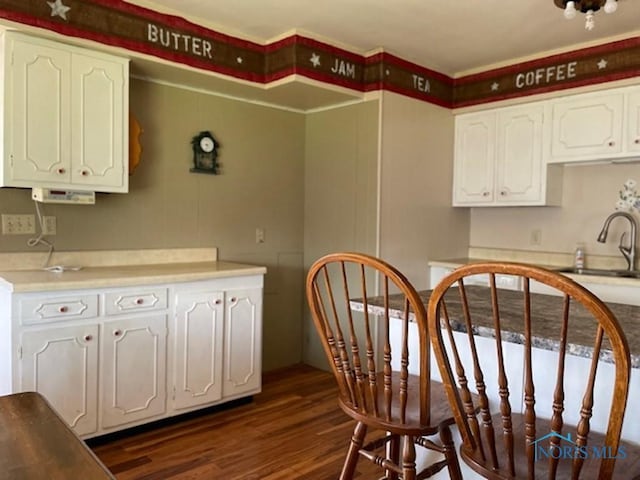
(38, 140)
(198, 348)
(633, 117)
(243, 342)
(98, 148)
(134, 369)
(474, 159)
(519, 155)
(587, 127)
(62, 364)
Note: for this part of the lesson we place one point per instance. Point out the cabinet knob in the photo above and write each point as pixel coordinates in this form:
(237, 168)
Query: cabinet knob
(503, 193)
(117, 333)
(485, 194)
(84, 173)
(61, 171)
(88, 338)
(218, 301)
(612, 143)
(637, 141)
(233, 299)
(63, 309)
(139, 301)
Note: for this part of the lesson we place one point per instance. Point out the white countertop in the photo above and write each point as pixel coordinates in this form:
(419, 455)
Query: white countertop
(603, 280)
(155, 269)
(122, 276)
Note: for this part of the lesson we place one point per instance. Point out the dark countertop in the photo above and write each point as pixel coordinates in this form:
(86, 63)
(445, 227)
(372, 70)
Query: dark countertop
(546, 312)
(36, 444)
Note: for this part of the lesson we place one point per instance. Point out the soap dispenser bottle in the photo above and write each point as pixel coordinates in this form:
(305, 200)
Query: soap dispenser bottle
(579, 257)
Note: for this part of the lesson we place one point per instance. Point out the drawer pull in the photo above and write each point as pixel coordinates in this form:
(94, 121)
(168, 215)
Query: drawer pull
(217, 302)
(88, 338)
(637, 141)
(117, 333)
(503, 193)
(233, 299)
(63, 309)
(84, 173)
(61, 171)
(612, 143)
(139, 301)
(485, 194)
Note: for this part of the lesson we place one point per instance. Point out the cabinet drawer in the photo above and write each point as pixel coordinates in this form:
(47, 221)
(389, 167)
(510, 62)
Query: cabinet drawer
(142, 300)
(34, 310)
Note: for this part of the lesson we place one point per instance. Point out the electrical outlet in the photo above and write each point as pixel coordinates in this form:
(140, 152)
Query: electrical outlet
(259, 235)
(18, 224)
(536, 237)
(48, 225)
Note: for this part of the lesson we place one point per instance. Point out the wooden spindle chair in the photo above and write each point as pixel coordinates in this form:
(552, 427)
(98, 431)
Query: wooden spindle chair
(381, 366)
(533, 413)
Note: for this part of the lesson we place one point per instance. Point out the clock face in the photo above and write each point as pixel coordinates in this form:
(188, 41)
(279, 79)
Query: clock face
(206, 144)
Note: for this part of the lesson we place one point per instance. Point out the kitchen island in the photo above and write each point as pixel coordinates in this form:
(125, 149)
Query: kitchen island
(545, 348)
(132, 336)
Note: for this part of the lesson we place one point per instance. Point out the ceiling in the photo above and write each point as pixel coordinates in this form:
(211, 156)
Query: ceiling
(453, 37)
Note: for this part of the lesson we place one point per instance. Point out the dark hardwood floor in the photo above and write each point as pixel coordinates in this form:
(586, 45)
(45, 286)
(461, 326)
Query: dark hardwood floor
(294, 429)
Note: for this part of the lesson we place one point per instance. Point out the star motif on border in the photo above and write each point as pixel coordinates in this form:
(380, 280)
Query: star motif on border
(495, 86)
(602, 64)
(239, 60)
(315, 59)
(58, 9)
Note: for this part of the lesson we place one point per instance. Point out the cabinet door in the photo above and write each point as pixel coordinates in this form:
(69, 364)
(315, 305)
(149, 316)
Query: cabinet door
(38, 119)
(134, 369)
(519, 155)
(474, 159)
(62, 364)
(198, 348)
(633, 119)
(587, 127)
(242, 342)
(98, 147)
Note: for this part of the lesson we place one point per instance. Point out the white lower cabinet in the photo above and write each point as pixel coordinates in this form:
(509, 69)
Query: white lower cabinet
(134, 356)
(114, 358)
(198, 330)
(218, 346)
(242, 342)
(61, 363)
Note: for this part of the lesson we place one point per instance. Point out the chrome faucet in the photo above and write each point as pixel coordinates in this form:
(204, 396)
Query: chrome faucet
(629, 252)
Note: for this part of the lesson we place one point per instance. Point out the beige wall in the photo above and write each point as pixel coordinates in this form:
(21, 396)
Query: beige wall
(589, 196)
(341, 184)
(262, 157)
(417, 222)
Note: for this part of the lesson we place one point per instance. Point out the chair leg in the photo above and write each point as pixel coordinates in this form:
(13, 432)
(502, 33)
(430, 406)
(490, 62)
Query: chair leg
(450, 455)
(353, 453)
(408, 459)
(393, 454)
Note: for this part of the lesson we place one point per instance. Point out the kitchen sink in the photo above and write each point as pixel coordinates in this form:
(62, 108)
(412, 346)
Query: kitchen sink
(600, 272)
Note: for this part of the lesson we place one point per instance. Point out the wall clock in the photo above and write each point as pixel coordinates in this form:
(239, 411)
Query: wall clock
(205, 153)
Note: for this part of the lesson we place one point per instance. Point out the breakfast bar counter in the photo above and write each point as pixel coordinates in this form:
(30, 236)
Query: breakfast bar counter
(544, 319)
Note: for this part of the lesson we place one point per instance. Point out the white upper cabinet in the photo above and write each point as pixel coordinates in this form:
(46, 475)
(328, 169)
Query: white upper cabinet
(65, 116)
(587, 126)
(473, 180)
(633, 119)
(519, 156)
(498, 158)
(596, 126)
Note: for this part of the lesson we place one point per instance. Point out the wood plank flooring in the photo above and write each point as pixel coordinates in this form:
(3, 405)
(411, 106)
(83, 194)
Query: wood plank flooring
(294, 429)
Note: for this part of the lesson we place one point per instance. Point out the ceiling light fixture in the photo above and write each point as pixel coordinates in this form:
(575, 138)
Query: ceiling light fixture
(588, 7)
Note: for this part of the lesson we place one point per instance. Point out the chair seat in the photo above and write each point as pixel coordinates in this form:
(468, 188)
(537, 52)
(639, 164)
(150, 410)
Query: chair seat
(440, 411)
(627, 465)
